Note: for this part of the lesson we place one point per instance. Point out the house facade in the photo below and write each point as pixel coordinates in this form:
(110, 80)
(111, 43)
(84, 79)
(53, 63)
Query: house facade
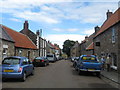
(75, 50)
(23, 45)
(106, 41)
(6, 44)
(36, 38)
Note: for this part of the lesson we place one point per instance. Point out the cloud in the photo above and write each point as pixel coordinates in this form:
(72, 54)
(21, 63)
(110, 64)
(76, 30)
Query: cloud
(58, 11)
(63, 30)
(14, 19)
(60, 38)
(88, 31)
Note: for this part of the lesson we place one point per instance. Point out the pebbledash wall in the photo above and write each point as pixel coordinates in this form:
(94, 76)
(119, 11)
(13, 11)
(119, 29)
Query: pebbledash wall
(107, 45)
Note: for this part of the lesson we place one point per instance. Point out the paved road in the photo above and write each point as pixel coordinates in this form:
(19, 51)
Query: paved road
(60, 74)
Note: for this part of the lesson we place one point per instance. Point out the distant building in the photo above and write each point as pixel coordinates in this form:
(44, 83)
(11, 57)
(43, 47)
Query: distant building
(23, 45)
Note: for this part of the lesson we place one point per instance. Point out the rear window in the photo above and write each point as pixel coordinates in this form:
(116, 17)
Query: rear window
(89, 58)
(49, 55)
(11, 61)
(38, 58)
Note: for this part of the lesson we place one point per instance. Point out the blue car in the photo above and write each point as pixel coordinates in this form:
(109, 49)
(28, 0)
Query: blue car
(16, 67)
(88, 63)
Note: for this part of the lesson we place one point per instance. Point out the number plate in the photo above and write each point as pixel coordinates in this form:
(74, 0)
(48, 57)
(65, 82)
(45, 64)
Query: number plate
(91, 69)
(8, 70)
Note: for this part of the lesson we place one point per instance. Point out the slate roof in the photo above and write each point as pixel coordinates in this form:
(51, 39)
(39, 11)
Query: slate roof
(21, 40)
(110, 22)
(5, 35)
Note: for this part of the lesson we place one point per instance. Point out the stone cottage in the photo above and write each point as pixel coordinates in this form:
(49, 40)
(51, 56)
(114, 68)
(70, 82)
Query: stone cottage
(106, 41)
(23, 45)
(6, 44)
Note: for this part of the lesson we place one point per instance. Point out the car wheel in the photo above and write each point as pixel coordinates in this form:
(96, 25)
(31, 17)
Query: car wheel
(32, 72)
(45, 64)
(79, 72)
(24, 77)
(4, 79)
(98, 74)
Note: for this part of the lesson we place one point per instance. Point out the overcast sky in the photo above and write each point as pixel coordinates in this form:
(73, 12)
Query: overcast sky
(59, 19)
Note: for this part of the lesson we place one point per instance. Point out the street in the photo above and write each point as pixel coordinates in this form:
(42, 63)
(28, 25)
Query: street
(60, 74)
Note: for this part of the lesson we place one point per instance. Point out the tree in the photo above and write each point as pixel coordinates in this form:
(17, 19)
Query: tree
(67, 46)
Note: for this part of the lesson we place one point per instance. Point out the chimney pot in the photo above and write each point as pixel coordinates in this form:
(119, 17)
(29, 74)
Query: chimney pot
(109, 14)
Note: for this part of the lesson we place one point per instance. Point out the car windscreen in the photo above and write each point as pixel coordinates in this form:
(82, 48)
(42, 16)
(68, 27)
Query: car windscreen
(89, 58)
(11, 61)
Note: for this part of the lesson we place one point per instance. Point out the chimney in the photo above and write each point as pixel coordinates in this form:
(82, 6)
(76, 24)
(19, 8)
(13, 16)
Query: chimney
(86, 37)
(109, 14)
(97, 29)
(26, 25)
(37, 32)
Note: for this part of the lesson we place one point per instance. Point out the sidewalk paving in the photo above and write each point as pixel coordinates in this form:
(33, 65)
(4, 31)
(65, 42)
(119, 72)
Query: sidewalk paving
(111, 75)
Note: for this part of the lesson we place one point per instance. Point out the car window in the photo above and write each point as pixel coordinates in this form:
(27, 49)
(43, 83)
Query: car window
(89, 58)
(11, 61)
(25, 61)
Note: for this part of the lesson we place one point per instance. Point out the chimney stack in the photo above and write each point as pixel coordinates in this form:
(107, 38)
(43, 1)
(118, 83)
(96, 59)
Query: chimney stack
(97, 29)
(109, 14)
(37, 32)
(26, 25)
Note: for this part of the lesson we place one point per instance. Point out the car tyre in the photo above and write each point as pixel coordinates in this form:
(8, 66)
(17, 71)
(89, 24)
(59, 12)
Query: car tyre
(98, 74)
(45, 64)
(24, 77)
(33, 72)
(79, 72)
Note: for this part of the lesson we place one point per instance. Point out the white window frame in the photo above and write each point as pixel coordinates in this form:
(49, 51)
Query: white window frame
(113, 35)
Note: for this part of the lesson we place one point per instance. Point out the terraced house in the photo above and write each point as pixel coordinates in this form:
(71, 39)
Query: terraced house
(106, 41)
(36, 38)
(6, 44)
(17, 44)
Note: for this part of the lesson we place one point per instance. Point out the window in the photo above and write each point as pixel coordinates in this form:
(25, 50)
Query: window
(25, 61)
(97, 43)
(5, 51)
(113, 35)
(20, 52)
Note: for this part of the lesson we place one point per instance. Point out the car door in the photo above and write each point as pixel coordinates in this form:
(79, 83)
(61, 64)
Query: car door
(25, 66)
(30, 66)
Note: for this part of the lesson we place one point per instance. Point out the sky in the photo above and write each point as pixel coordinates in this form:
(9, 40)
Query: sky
(59, 20)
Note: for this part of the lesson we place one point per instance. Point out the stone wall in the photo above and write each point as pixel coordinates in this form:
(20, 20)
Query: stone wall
(10, 49)
(29, 53)
(106, 46)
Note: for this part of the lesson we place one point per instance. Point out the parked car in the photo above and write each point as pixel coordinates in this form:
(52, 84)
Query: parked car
(16, 67)
(40, 61)
(88, 63)
(75, 61)
(51, 58)
(72, 59)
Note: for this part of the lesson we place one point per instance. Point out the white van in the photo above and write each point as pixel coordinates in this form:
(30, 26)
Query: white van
(51, 58)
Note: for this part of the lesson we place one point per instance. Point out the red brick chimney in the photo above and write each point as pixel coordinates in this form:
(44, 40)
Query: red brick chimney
(26, 25)
(109, 14)
(25, 28)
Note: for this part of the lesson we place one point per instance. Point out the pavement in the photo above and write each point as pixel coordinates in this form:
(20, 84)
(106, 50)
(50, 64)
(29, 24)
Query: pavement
(112, 77)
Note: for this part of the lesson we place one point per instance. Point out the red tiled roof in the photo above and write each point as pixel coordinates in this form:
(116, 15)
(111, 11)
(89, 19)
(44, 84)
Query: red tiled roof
(109, 22)
(90, 47)
(21, 40)
(54, 46)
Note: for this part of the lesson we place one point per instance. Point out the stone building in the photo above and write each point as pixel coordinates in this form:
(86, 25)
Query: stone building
(36, 38)
(6, 44)
(23, 45)
(106, 41)
(75, 50)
